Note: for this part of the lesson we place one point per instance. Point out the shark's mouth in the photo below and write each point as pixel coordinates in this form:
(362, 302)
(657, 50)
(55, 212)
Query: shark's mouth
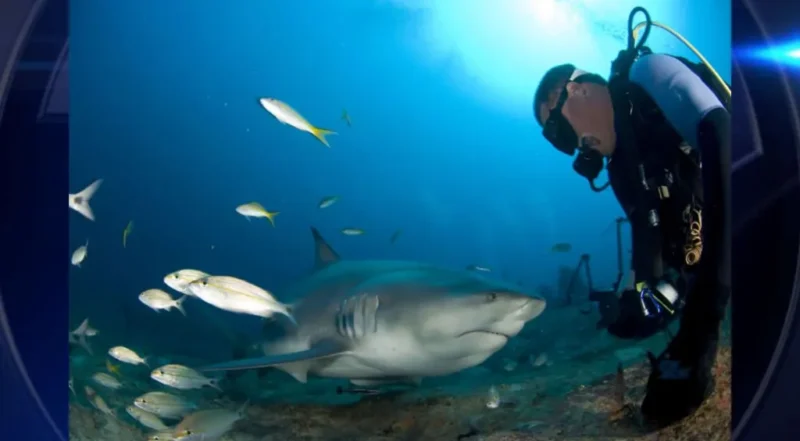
(485, 332)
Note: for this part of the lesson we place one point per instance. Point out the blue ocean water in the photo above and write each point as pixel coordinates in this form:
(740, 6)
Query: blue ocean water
(443, 144)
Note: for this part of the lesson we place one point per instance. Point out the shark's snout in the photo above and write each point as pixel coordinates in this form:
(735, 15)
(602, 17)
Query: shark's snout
(531, 308)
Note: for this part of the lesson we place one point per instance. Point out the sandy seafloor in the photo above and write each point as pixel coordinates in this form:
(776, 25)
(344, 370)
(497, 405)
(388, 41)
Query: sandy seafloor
(574, 396)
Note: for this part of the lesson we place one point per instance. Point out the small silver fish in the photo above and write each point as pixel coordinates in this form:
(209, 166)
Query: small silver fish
(71, 387)
(207, 424)
(352, 231)
(147, 419)
(239, 296)
(180, 280)
(509, 365)
(126, 355)
(164, 404)
(158, 300)
(97, 401)
(79, 255)
(106, 380)
(328, 201)
(182, 377)
(493, 401)
(539, 361)
(478, 268)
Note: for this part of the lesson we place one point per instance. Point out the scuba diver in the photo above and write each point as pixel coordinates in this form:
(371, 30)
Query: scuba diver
(654, 122)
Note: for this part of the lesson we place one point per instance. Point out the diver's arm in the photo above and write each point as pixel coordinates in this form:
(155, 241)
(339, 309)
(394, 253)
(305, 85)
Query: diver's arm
(682, 96)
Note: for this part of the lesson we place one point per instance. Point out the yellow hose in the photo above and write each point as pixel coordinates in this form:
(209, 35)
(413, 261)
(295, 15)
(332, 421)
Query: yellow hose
(690, 46)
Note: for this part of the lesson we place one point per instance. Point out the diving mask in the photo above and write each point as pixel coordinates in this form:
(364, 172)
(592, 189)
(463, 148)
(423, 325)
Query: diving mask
(557, 130)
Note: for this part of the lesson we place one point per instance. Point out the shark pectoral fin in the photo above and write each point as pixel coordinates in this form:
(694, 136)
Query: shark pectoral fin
(322, 349)
(298, 370)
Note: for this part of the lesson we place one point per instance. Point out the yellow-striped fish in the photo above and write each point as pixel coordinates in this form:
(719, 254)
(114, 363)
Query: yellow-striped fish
(114, 369)
(254, 209)
(125, 233)
(285, 114)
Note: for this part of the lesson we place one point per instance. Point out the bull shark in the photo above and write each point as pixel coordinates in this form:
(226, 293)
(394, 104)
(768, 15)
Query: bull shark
(376, 322)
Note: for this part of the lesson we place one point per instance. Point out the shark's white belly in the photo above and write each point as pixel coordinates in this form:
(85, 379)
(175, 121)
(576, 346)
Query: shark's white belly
(394, 357)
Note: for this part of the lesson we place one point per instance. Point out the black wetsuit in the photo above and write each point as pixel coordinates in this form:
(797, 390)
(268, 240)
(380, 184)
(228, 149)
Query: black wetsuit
(671, 121)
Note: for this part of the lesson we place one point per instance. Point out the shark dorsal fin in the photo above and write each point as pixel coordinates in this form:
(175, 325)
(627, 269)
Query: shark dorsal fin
(324, 254)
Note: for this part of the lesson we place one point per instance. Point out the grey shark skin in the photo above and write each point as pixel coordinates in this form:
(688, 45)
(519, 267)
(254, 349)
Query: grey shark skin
(375, 322)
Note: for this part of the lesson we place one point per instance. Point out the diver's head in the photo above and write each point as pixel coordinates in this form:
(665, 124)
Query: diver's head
(574, 109)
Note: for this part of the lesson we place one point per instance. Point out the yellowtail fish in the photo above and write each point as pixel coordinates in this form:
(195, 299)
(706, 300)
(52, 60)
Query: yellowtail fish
(562, 247)
(395, 236)
(158, 300)
(254, 209)
(180, 280)
(182, 377)
(285, 114)
(79, 255)
(125, 233)
(164, 404)
(106, 380)
(113, 368)
(478, 268)
(352, 231)
(80, 201)
(346, 117)
(207, 424)
(126, 355)
(239, 296)
(147, 419)
(328, 201)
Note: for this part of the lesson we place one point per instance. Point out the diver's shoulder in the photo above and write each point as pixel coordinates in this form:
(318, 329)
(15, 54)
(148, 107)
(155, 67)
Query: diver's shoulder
(652, 67)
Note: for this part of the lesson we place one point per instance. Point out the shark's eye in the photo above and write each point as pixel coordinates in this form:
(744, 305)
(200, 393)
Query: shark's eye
(491, 296)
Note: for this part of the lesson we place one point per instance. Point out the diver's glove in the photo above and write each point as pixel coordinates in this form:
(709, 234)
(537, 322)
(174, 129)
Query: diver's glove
(645, 310)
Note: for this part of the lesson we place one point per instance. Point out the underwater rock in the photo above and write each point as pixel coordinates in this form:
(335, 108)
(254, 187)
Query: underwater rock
(630, 354)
